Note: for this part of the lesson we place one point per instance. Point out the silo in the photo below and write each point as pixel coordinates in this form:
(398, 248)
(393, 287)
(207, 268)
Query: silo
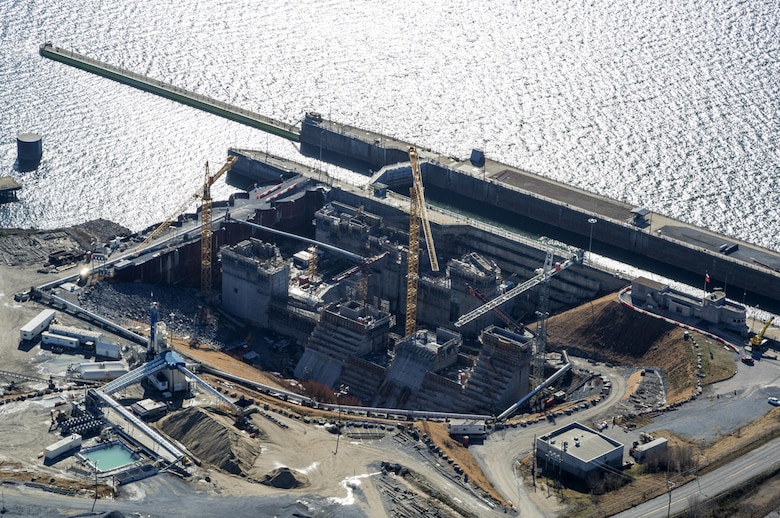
(29, 149)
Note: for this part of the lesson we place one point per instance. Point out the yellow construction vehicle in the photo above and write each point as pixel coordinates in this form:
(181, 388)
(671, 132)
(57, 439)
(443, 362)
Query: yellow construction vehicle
(417, 213)
(758, 340)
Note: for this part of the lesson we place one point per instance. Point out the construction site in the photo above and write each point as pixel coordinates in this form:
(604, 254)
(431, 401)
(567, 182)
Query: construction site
(309, 347)
(303, 304)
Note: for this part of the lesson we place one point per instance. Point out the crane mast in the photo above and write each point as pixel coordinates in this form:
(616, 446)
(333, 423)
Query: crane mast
(542, 314)
(206, 232)
(417, 213)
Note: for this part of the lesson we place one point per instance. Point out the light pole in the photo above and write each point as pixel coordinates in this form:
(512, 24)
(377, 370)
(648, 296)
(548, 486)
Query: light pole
(96, 487)
(592, 222)
(343, 391)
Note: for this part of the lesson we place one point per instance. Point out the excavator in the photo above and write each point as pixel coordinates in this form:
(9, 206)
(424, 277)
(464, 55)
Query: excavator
(758, 341)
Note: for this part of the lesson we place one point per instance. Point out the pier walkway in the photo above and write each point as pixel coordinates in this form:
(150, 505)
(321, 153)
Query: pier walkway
(172, 92)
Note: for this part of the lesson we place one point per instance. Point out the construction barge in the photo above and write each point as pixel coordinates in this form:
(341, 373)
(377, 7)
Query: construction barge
(608, 225)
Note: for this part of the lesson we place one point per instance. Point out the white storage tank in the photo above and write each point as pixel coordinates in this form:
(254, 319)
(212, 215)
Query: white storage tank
(102, 370)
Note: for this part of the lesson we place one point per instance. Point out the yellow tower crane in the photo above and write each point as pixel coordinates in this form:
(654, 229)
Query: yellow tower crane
(205, 230)
(417, 213)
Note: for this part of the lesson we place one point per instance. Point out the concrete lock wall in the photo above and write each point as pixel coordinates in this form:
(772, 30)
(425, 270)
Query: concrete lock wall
(612, 232)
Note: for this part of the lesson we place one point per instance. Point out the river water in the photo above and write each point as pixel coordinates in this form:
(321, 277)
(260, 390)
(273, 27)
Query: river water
(668, 104)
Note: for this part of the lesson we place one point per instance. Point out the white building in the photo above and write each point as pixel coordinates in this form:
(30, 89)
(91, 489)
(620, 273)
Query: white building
(578, 450)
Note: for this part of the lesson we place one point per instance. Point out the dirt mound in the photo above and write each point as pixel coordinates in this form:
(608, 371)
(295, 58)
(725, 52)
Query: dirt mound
(284, 478)
(97, 231)
(209, 434)
(607, 330)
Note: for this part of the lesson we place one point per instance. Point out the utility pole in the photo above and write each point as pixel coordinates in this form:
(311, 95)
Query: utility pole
(96, 487)
(343, 391)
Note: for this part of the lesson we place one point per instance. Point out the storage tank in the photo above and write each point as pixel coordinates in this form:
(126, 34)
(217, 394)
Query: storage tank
(102, 370)
(29, 150)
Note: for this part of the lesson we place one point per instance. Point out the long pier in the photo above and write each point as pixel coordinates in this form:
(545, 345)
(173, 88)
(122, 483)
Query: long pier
(171, 92)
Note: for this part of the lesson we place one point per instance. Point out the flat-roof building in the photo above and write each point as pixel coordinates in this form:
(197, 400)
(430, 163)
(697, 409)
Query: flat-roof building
(578, 450)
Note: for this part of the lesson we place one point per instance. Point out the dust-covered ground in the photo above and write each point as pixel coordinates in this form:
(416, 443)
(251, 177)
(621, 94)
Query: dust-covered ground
(234, 465)
(30, 247)
(282, 471)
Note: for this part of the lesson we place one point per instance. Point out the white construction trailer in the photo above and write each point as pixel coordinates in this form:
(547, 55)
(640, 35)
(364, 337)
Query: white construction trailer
(34, 327)
(54, 340)
(62, 446)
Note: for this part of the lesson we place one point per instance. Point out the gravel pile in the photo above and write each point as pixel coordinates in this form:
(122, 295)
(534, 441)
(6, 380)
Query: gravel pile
(210, 435)
(285, 478)
(96, 232)
(181, 309)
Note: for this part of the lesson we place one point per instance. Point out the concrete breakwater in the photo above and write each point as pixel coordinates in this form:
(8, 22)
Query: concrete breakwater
(169, 91)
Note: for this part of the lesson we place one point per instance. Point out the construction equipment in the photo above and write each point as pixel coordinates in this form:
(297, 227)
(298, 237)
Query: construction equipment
(513, 324)
(417, 213)
(363, 270)
(205, 230)
(162, 227)
(167, 223)
(311, 268)
(541, 323)
(758, 340)
(542, 275)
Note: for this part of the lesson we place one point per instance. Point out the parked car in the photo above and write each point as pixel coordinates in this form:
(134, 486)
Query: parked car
(747, 360)
(773, 401)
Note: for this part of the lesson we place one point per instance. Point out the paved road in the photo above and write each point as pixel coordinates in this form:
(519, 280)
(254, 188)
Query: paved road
(499, 454)
(706, 418)
(742, 469)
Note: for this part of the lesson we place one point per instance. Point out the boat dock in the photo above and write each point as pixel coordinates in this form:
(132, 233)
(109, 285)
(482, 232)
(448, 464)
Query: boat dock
(170, 91)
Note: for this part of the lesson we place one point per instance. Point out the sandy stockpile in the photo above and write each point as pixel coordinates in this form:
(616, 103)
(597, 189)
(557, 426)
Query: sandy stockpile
(608, 331)
(210, 435)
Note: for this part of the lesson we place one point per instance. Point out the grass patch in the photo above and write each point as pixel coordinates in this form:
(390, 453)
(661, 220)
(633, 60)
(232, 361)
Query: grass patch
(717, 362)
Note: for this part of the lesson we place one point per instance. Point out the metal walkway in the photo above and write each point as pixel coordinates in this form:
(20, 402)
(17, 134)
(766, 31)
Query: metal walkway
(134, 376)
(89, 315)
(208, 388)
(156, 437)
(514, 292)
